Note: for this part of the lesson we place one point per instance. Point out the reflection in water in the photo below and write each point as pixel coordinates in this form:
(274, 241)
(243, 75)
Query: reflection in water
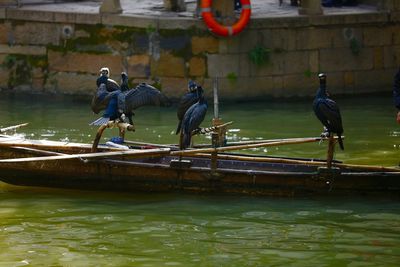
(40, 227)
(62, 228)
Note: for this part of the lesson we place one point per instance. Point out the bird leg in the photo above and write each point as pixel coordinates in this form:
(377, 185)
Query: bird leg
(326, 133)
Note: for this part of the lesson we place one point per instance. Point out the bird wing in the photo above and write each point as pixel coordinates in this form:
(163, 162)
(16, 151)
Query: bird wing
(142, 95)
(329, 110)
(111, 112)
(194, 117)
(396, 90)
(101, 98)
(185, 103)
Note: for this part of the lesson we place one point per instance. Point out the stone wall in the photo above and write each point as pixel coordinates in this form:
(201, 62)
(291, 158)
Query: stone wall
(53, 52)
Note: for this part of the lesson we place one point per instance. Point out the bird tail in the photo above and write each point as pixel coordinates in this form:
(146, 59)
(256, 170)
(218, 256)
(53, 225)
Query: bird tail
(340, 140)
(178, 129)
(186, 140)
(100, 121)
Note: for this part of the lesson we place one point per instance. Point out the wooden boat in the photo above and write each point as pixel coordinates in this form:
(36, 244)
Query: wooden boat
(161, 168)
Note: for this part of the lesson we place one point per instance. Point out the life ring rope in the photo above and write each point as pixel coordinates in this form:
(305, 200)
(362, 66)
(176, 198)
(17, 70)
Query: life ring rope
(223, 30)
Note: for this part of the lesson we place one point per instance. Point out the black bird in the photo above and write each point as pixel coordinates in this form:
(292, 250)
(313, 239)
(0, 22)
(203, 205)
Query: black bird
(106, 99)
(396, 90)
(194, 116)
(189, 99)
(127, 100)
(327, 111)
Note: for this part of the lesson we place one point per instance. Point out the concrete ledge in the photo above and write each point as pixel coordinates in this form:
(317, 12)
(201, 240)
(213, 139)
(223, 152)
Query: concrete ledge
(129, 21)
(187, 22)
(79, 18)
(18, 14)
(24, 50)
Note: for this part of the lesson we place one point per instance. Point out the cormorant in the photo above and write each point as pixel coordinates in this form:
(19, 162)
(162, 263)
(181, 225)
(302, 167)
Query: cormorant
(189, 99)
(127, 100)
(327, 111)
(194, 116)
(396, 94)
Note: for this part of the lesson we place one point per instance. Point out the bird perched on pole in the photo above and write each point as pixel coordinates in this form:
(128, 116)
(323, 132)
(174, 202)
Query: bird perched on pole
(192, 119)
(327, 111)
(396, 94)
(189, 99)
(125, 100)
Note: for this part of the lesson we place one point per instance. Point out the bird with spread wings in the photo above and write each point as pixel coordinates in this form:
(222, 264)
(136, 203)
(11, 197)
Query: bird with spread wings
(123, 101)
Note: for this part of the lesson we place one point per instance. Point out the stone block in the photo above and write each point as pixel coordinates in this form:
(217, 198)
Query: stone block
(396, 34)
(335, 84)
(2, 13)
(36, 33)
(2, 58)
(343, 59)
(205, 45)
(168, 65)
(129, 21)
(77, 18)
(395, 16)
(197, 66)
(378, 58)
(313, 61)
(71, 83)
(23, 50)
(342, 37)
(219, 65)
(348, 79)
(377, 36)
(180, 23)
(296, 62)
(30, 15)
(314, 38)
(391, 56)
(83, 62)
(374, 81)
(247, 40)
(174, 87)
(249, 87)
(4, 76)
(299, 85)
(5, 29)
(274, 66)
(139, 66)
(348, 19)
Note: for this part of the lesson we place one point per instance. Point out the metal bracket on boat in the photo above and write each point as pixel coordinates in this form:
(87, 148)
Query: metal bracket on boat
(180, 163)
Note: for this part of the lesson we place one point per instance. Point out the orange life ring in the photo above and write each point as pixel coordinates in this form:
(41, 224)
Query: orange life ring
(223, 30)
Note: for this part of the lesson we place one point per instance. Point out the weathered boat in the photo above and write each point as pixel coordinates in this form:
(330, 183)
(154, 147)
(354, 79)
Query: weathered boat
(161, 168)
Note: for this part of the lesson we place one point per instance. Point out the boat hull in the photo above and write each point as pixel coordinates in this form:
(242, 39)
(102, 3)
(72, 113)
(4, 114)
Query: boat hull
(192, 174)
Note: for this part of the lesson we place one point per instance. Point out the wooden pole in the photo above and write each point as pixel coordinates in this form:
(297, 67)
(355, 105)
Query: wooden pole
(239, 147)
(2, 130)
(131, 153)
(331, 151)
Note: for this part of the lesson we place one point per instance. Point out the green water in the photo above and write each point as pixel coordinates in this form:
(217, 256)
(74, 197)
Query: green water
(43, 227)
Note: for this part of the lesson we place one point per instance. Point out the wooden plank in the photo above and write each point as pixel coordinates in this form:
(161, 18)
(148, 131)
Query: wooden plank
(37, 151)
(2, 130)
(135, 153)
(247, 146)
